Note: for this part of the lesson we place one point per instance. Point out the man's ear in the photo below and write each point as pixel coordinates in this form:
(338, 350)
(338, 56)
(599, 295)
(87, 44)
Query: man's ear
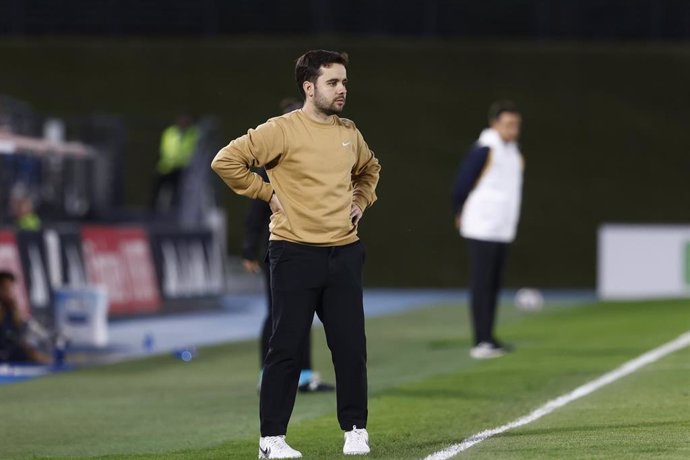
(308, 88)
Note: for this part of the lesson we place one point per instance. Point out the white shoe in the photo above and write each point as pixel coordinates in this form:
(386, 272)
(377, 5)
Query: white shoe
(356, 442)
(276, 447)
(486, 350)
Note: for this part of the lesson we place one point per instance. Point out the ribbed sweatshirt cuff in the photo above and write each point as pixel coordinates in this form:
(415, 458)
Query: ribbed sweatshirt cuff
(361, 202)
(266, 192)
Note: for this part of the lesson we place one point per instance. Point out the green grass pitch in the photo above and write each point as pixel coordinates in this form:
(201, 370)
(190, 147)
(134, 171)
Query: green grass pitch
(425, 393)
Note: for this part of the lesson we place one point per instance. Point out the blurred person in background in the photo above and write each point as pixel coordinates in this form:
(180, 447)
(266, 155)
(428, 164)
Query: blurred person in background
(25, 217)
(177, 146)
(255, 243)
(486, 201)
(15, 345)
(322, 178)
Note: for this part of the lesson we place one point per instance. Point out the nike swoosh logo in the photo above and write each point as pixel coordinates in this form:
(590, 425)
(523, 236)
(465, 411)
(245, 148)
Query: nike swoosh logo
(265, 451)
(345, 144)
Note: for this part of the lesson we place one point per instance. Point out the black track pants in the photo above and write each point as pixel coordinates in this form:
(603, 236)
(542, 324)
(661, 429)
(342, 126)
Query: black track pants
(328, 281)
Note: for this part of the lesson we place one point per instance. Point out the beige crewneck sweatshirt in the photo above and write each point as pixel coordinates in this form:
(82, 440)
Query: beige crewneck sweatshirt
(317, 170)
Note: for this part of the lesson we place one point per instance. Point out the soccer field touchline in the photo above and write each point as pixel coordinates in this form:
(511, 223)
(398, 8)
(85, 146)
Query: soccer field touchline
(628, 368)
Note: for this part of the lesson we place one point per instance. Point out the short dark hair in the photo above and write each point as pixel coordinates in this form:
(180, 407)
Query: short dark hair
(308, 66)
(7, 276)
(499, 107)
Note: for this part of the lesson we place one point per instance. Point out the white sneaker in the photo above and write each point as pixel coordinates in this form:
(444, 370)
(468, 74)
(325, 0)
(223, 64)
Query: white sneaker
(356, 442)
(276, 447)
(486, 350)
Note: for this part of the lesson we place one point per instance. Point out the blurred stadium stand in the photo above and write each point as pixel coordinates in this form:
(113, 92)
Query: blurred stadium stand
(528, 19)
(147, 262)
(67, 180)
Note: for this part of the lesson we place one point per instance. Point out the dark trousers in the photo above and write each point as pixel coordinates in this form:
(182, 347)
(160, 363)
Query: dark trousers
(166, 191)
(267, 329)
(487, 263)
(328, 281)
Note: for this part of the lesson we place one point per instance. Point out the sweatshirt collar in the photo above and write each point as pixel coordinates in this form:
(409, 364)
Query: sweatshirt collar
(315, 123)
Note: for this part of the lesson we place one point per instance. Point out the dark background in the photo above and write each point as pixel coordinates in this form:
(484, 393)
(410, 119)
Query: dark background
(539, 19)
(603, 86)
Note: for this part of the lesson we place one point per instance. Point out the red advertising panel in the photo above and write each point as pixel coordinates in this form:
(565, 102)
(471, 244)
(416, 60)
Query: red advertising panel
(11, 262)
(119, 259)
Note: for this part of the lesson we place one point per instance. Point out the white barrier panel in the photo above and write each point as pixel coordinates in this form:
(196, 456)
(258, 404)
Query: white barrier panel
(82, 315)
(643, 261)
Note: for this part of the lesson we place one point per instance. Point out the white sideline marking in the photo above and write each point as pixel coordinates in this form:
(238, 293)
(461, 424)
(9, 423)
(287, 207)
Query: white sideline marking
(628, 368)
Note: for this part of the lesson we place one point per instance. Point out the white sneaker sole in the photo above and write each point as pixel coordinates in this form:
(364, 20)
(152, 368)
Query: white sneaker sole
(484, 354)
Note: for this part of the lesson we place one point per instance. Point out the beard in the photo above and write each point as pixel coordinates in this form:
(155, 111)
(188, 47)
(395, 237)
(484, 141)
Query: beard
(326, 106)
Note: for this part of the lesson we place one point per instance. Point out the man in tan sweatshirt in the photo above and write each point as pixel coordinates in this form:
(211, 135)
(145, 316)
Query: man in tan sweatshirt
(323, 177)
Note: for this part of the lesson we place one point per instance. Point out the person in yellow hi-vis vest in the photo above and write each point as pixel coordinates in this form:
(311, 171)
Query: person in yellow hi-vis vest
(178, 143)
(25, 216)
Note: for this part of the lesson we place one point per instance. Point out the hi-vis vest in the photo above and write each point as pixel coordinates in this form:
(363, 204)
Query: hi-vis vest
(492, 209)
(177, 148)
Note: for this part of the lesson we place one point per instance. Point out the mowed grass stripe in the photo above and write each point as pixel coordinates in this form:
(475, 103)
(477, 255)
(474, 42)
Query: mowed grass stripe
(425, 392)
(644, 415)
(626, 369)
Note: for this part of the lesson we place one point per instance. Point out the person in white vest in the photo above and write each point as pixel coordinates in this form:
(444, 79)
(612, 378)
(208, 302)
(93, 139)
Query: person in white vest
(486, 199)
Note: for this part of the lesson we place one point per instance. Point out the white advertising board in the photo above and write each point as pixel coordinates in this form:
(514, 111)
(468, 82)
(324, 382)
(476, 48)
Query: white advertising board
(643, 261)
